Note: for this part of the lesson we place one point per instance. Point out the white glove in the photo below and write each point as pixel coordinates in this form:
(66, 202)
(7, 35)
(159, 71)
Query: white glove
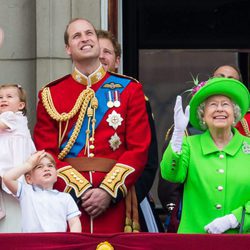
(181, 120)
(222, 224)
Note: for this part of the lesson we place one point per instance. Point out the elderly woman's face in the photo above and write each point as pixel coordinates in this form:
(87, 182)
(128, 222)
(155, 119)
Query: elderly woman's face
(219, 112)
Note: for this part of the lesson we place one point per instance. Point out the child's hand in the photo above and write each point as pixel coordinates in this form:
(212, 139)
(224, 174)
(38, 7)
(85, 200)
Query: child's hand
(34, 159)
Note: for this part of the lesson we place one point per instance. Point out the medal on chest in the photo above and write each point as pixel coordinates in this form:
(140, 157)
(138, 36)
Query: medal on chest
(114, 120)
(113, 99)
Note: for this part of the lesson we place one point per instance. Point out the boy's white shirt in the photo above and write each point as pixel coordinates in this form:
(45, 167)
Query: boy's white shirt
(45, 210)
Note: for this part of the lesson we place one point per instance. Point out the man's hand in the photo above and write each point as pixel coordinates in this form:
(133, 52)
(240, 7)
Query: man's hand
(95, 201)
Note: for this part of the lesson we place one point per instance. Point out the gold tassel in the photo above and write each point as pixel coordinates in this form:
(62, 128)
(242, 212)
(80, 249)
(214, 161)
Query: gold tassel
(89, 114)
(132, 217)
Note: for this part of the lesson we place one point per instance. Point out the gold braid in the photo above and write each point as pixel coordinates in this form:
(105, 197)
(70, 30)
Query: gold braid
(50, 108)
(245, 126)
(81, 104)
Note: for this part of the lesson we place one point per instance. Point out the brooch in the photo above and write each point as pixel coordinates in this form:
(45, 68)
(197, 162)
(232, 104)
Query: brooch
(246, 148)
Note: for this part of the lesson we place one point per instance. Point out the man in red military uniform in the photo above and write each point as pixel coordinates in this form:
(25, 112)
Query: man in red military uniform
(96, 126)
(110, 54)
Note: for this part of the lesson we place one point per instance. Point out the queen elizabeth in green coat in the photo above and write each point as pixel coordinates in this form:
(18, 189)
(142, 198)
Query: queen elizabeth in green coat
(214, 166)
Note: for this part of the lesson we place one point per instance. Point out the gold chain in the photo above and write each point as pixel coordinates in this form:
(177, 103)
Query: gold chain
(245, 126)
(82, 103)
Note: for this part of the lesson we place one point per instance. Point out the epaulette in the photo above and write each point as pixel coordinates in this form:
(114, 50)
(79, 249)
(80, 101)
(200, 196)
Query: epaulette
(56, 81)
(123, 76)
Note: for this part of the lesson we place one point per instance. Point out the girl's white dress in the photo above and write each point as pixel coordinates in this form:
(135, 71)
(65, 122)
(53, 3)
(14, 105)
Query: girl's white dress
(16, 146)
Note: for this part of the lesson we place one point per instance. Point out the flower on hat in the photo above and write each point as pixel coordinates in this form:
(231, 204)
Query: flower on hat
(197, 85)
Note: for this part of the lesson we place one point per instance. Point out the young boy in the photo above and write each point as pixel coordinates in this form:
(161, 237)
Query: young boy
(43, 209)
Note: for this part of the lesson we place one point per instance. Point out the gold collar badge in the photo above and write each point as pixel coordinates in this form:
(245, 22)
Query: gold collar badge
(91, 79)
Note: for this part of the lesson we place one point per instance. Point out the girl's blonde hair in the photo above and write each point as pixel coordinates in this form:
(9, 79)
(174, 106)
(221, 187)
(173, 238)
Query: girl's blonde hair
(21, 93)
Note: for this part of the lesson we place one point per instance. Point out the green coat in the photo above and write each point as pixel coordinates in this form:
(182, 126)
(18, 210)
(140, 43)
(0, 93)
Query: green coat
(216, 182)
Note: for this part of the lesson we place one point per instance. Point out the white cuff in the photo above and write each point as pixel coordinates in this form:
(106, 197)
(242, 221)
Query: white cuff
(233, 221)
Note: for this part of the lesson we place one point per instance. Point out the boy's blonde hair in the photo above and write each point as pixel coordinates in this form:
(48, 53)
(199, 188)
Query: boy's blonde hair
(51, 158)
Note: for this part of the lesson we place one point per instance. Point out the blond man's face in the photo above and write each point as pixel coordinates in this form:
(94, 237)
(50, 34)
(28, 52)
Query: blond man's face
(82, 42)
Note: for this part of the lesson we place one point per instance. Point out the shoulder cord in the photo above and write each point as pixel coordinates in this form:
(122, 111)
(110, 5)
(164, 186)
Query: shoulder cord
(86, 97)
(245, 126)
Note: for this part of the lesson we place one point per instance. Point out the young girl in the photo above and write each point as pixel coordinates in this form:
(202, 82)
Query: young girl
(16, 147)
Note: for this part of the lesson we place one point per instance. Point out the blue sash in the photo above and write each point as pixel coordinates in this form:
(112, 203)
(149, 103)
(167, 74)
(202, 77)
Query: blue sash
(101, 95)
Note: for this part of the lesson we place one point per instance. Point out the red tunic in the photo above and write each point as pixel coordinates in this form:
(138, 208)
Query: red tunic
(133, 132)
(244, 125)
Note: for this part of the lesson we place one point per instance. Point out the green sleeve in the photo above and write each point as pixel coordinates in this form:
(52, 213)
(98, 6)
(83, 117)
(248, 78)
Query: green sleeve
(173, 165)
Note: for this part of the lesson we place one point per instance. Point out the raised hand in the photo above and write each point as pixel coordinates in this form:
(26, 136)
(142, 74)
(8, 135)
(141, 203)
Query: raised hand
(181, 120)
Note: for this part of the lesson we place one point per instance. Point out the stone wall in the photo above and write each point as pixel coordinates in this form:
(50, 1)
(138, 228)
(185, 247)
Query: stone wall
(33, 50)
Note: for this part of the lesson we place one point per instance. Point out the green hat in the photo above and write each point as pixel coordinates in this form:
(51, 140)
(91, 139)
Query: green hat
(229, 87)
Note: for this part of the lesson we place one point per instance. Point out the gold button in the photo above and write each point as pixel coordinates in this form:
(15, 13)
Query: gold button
(81, 181)
(220, 188)
(221, 171)
(92, 146)
(218, 206)
(109, 180)
(92, 139)
(117, 171)
(91, 155)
